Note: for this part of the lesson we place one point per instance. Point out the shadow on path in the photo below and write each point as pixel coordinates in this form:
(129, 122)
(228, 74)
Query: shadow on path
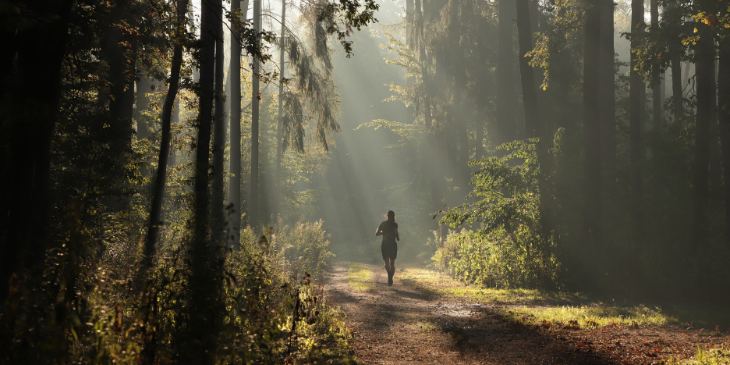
(408, 323)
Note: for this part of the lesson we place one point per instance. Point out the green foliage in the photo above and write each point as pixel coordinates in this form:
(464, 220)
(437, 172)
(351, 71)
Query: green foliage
(305, 247)
(505, 249)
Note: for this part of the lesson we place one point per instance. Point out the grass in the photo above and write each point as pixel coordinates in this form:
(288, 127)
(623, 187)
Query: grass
(591, 316)
(360, 278)
(538, 306)
(705, 357)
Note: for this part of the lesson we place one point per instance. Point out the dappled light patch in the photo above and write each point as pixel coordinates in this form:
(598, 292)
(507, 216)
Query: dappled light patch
(590, 316)
(360, 277)
(714, 356)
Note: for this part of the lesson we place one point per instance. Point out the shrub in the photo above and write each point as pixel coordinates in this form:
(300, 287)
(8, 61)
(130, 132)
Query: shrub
(501, 243)
(305, 248)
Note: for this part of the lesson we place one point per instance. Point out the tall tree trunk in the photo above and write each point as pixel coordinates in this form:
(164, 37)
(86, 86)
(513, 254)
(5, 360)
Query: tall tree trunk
(673, 20)
(218, 222)
(706, 113)
(423, 62)
(280, 112)
(234, 183)
(198, 344)
(117, 51)
(608, 95)
(158, 189)
(533, 120)
(410, 17)
(505, 73)
(591, 125)
(724, 116)
(31, 99)
(253, 198)
(656, 76)
(637, 95)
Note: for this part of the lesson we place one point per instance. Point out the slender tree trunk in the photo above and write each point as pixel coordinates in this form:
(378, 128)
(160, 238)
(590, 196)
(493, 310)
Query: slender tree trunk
(234, 183)
(637, 95)
(280, 112)
(410, 16)
(423, 61)
(149, 352)
(533, 120)
(253, 199)
(591, 124)
(706, 113)
(198, 344)
(218, 222)
(656, 76)
(158, 189)
(724, 116)
(673, 20)
(505, 72)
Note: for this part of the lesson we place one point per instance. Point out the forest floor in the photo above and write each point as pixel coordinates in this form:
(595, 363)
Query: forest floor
(428, 318)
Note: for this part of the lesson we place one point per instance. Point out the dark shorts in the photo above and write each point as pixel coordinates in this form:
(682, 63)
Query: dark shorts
(389, 250)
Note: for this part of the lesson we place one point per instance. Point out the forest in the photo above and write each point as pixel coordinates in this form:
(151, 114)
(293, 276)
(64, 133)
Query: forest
(200, 182)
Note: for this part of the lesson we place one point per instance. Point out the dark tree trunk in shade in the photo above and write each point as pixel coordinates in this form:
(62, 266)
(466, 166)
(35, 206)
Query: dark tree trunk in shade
(591, 125)
(160, 178)
(234, 183)
(535, 125)
(705, 53)
(506, 106)
(253, 195)
(203, 312)
(673, 18)
(218, 222)
(117, 51)
(637, 112)
(656, 77)
(607, 96)
(30, 95)
(724, 117)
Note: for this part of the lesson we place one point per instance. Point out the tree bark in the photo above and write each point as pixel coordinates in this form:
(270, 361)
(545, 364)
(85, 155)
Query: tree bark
(656, 76)
(505, 73)
(117, 51)
(724, 117)
(253, 199)
(199, 340)
(591, 125)
(234, 183)
(637, 96)
(280, 112)
(706, 113)
(536, 128)
(158, 189)
(218, 222)
(607, 95)
(673, 20)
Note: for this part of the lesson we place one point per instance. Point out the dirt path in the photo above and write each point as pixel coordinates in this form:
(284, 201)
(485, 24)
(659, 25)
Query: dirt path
(412, 324)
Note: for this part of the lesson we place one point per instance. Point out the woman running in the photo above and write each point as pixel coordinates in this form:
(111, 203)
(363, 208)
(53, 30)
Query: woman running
(389, 248)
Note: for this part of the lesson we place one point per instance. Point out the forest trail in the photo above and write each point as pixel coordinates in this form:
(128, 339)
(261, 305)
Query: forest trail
(416, 322)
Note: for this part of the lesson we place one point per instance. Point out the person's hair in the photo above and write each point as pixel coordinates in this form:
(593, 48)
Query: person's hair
(391, 215)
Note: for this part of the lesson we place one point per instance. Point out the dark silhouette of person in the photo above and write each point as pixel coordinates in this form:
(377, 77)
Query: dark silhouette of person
(389, 248)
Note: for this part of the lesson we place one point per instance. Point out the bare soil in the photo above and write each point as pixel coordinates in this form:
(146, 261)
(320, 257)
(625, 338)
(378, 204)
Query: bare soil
(410, 324)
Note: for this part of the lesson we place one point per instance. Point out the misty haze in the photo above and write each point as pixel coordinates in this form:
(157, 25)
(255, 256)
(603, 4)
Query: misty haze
(365, 182)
